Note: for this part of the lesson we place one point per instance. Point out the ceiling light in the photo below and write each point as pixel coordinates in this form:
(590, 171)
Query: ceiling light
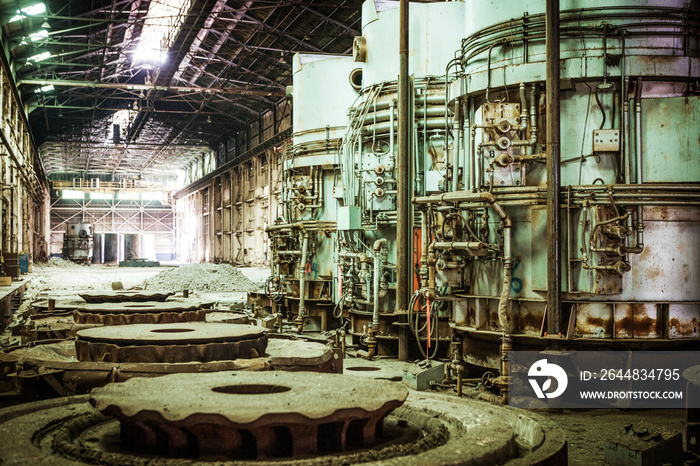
(39, 57)
(39, 35)
(48, 88)
(209, 119)
(46, 25)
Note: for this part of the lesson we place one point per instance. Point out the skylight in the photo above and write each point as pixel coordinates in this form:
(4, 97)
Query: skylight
(161, 25)
(32, 10)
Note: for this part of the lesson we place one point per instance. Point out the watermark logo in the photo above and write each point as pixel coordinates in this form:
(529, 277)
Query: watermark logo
(542, 368)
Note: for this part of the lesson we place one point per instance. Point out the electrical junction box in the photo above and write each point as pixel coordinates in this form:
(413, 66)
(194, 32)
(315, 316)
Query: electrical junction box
(641, 445)
(606, 140)
(338, 192)
(349, 218)
(419, 376)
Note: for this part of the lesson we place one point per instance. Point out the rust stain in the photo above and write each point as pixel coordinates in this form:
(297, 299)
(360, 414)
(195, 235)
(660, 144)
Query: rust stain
(471, 316)
(652, 273)
(530, 321)
(685, 329)
(636, 322)
(593, 323)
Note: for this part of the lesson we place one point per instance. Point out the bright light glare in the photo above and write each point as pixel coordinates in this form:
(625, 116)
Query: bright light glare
(152, 196)
(33, 10)
(101, 196)
(127, 196)
(39, 35)
(48, 88)
(70, 194)
(162, 23)
(39, 57)
(36, 9)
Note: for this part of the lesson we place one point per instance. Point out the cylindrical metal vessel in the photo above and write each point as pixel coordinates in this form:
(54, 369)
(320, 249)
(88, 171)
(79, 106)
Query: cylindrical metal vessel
(303, 234)
(98, 248)
(367, 234)
(630, 197)
(111, 247)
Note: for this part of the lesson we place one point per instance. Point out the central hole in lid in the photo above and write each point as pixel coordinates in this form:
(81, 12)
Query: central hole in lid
(138, 305)
(251, 389)
(172, 330)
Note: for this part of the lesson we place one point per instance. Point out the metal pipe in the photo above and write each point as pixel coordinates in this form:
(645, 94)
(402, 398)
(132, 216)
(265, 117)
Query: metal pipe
(554, 317)
(391, 127)
(424, 250)
(403, 266)
(462, 196)
(460, 131)
(625, 133)
(533, 114)
(569, 233)
(378, 245)
(638, 127)
(459, 245)
(524, 120)
(507, 276)
(639, 246)
(470, 156)
(302, 280)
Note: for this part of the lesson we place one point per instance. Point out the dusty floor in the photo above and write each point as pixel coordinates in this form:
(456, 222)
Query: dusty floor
(587, 431)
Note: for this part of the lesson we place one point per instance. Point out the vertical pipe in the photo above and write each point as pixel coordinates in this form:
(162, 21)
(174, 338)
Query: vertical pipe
(639, 247)
(377, 249)
(638, 128)
(553, 170)
(302, 280)
(458, 144)
(391, 128)
(403, 267)
(626, 131)
(472, 153)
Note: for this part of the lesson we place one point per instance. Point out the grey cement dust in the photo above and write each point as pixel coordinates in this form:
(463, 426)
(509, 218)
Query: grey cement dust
(202, 277)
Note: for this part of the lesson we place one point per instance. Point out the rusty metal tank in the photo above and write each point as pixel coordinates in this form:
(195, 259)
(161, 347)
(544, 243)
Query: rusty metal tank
(630, 181)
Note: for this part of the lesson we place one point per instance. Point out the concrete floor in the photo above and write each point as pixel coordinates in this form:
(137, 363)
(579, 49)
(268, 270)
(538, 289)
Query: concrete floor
(587, 430)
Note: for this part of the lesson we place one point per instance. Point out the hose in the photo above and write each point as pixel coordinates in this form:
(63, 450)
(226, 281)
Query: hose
(415, 330)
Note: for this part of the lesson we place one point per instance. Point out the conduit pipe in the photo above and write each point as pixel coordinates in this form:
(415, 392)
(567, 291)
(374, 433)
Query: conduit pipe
(378, 248)
(302, 280)
(639, 247)
(458, 144)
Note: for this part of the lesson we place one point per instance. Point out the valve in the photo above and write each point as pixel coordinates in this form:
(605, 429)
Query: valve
(503, 143)
(615, 231)
(503, 126)
(617, 249)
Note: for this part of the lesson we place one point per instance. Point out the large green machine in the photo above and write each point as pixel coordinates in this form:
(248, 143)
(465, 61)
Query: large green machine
(581, 234)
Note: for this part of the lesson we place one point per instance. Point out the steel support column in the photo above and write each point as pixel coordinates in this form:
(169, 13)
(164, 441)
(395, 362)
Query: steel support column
(403, 238)
(553, 170)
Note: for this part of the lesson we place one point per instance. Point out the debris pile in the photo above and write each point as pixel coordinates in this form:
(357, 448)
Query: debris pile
(59, 263)
(201, 277)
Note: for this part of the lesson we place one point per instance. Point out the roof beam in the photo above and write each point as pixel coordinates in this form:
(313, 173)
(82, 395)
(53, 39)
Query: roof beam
(147, 87)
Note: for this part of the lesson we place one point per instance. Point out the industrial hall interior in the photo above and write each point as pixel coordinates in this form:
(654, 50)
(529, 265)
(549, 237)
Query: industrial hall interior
(334, 232)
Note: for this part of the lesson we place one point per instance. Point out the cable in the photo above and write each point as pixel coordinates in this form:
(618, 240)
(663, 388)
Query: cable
(600, 105)
(585, 125)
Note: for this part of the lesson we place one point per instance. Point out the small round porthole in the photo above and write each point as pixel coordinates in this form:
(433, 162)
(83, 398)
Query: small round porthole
(356, 78)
